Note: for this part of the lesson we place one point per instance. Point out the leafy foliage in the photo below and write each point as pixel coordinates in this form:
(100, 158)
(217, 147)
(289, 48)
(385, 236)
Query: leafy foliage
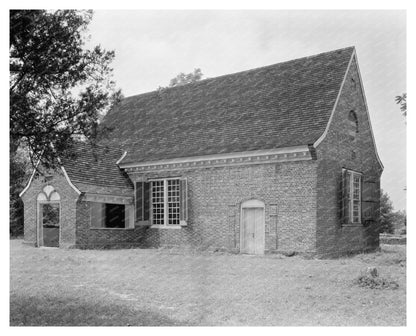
(402, 101)
(398, 219)
(20, 170)
(386, 213)
(390, 221)
(182, 78)
(58, 91)
(58, 88)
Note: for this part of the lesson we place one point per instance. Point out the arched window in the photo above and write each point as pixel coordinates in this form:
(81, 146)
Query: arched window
(353, 124)
(48, 194)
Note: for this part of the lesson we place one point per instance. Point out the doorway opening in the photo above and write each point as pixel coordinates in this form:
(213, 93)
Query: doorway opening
(50, 224)
(49, 217)
(252, 233)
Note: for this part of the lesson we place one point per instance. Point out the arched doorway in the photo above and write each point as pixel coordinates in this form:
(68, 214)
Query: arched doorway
(252, 234)
(49, 217)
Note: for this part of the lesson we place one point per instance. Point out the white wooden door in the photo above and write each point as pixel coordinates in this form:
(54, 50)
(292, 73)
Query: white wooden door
(252, 239)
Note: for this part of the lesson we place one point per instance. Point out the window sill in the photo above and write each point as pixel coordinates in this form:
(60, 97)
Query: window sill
(168, 227)
(352, 225)
(117, 229)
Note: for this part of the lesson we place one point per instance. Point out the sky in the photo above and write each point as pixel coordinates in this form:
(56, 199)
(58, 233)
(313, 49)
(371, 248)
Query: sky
(154, 46)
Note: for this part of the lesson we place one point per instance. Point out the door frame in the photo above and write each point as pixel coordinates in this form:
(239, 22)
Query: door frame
(40, 221)
(252, 204)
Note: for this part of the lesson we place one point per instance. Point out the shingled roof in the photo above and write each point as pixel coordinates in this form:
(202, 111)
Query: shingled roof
(281, 105)
(96, 166)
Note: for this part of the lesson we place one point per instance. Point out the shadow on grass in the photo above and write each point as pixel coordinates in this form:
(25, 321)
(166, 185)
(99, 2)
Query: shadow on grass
(60, 311)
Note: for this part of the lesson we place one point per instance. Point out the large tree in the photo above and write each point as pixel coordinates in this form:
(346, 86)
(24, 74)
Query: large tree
(398, 219)
(58, 87)
(20, 170)
(386, 213)
(58, 90)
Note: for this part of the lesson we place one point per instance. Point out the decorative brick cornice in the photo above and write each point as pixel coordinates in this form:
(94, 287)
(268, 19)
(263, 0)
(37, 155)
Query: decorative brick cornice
(299, 153)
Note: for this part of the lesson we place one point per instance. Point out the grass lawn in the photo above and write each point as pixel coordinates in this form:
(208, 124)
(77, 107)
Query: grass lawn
(165, 287)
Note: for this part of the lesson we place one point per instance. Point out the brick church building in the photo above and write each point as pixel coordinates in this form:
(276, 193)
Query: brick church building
(275, 159)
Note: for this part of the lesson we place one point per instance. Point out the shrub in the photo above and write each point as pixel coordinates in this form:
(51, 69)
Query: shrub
(375, 282)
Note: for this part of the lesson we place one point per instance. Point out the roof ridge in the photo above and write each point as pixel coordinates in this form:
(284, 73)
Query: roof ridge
(279, 105)
(238, 73)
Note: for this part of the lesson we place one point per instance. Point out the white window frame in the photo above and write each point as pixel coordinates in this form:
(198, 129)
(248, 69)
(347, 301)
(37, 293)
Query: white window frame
(165, 224)
(351, 200)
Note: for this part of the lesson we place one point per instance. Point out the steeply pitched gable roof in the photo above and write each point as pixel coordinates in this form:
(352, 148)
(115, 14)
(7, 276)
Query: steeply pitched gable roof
(96, 166)
(281, 105)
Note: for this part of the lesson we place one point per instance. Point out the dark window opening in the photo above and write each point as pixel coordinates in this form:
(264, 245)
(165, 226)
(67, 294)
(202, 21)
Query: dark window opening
(114, 216)
(353, 125)
(352, 117)
(106, 215)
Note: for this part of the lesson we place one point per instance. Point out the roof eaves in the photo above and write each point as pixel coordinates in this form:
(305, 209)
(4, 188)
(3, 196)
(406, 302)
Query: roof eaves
(366, 110)
(30, 179)
(222, 156)
(69, 181)
(121, 159)
(322, 137)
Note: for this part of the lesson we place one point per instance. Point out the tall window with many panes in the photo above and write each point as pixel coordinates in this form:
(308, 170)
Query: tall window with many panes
(165, 202)
(356, 198)
(351, 197)
(173, 201)
(162, 202)
(158, 202)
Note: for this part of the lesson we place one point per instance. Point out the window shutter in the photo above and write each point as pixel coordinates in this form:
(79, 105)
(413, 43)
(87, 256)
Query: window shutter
(139, 201)
(129, 216)
(146, 201)
(142, 196)
(183, 206)
(345, 198)
(369, 201)
(97, 215)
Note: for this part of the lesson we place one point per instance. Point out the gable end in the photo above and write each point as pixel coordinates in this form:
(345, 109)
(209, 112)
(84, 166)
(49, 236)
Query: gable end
(322, 137)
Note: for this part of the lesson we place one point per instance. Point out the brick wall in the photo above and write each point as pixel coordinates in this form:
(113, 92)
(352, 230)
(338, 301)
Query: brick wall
(215, 196)
(87, 237)
(67, 209)
(338, 151)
